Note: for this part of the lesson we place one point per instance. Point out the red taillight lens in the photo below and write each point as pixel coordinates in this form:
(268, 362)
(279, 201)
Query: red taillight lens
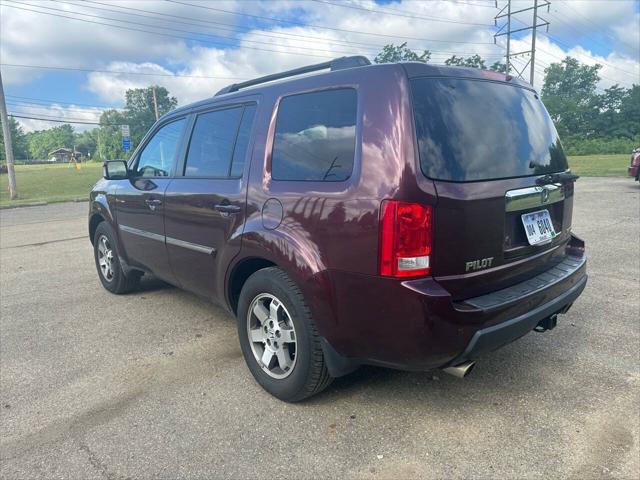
(406, 232)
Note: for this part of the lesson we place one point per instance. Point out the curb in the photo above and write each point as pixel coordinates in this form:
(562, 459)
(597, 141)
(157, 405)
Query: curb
(41, 204)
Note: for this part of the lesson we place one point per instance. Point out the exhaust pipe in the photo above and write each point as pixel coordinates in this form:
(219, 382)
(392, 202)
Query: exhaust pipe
(461, 370)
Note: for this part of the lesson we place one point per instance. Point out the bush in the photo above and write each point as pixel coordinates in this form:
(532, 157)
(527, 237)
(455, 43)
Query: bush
(575, 145)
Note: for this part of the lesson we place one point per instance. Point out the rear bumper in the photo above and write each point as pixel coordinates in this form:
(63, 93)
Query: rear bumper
(491, 338)
(416, 325)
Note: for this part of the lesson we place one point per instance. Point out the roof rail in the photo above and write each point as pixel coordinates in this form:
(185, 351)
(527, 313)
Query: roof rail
(335, 64)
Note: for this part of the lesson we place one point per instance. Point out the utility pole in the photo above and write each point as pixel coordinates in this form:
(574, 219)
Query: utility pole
(508, 35)
(531, 62)
(533, 40)
(155, 101)
(8, 147)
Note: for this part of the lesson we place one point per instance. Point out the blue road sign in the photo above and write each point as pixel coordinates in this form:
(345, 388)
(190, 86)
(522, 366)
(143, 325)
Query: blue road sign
(126, 144)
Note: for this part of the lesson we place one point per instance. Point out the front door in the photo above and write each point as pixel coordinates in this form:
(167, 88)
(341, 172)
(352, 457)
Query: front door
(140, 201)
(205, 207)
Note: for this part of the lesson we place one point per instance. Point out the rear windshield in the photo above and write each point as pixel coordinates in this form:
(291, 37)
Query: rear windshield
(477, 130)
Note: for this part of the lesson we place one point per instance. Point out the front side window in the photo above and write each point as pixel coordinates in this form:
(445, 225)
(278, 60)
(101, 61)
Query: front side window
(315, 136)
(159, 155)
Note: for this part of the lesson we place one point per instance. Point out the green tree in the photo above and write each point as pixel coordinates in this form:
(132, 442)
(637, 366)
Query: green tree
(40, 143)
(18, 141)
(474, 61)
(109, 138)
(87, 142)
(569, 93)
(140, 112)
(499, 67)
(629, 112)
(401, 53)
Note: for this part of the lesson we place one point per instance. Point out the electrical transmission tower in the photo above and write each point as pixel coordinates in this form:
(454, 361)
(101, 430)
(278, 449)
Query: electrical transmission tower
(505, 29)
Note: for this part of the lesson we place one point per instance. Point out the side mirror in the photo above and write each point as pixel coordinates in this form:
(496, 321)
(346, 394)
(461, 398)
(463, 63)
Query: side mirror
(115, 170)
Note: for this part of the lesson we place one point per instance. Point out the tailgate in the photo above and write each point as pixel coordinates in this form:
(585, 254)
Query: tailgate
(494, 155)
(480, 240)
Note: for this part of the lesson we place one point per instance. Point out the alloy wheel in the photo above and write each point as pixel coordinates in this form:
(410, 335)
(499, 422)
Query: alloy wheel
(272, 336)
(105, 258)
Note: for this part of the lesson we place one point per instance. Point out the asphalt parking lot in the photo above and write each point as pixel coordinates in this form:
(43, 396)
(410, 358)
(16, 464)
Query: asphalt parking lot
(153, 384)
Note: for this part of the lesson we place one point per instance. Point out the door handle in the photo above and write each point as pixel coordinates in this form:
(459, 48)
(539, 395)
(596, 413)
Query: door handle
(153, 203)
(227, 209)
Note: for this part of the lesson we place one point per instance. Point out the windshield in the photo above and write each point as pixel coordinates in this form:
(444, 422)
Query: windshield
(471, 130)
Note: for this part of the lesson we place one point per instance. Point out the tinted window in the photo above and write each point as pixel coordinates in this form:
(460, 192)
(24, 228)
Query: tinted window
(242, 142)
(476, 130)
(212, 143)
(315, 136)
(159, 155)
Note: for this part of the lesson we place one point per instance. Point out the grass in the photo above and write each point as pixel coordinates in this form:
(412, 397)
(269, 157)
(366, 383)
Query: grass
(600, 165)
(50, 183)
(60, 182)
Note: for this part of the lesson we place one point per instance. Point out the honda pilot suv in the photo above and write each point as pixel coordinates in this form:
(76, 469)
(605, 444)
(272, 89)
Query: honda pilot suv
(402, 215)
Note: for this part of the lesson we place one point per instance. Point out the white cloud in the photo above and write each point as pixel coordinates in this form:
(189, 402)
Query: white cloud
(72, 113)
(32, 39)
(48, 39)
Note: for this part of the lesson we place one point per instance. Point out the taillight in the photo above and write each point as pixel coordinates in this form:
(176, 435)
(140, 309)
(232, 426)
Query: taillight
(406, 233)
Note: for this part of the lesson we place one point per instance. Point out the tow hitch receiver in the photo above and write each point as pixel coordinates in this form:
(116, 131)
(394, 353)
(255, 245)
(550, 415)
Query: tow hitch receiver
(548, 323)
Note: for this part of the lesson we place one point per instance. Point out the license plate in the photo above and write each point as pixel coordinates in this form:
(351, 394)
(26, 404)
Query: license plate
(538, 227)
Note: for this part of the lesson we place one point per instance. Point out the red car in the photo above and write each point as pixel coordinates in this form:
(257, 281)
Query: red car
(404, 215)
(634, 168)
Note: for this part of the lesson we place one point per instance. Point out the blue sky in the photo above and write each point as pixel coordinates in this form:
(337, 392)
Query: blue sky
(198, 46)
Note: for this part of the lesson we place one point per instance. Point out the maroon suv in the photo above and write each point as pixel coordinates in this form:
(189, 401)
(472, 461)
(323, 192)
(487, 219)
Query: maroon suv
(403, 215)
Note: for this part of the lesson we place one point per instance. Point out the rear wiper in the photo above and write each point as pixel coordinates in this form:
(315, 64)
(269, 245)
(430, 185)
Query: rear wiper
(557, 178)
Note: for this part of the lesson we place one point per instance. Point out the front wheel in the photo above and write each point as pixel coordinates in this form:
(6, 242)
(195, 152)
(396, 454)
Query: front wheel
(108, 264)
(278, 337)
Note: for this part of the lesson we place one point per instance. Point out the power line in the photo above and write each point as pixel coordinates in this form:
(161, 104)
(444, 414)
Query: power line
(509, 15)
(454, 2)
(569, 47)
(291, 22)
(49, 107)
(587, 55)
(217, 36)
(405, 15)
(177, 29)
(591, 28)
(282, 35)
(117, 72)
(306, 54)
(176, 75)
(599, 74)
(573, 28)
(49, 101)
(59, 120)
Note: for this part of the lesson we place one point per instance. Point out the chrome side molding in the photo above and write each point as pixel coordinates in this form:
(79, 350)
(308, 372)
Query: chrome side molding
(171, 241)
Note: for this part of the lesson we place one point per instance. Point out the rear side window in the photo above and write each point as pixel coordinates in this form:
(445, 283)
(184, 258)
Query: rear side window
(212, 142)
(471, 130)
(315, 136)
(242, 142)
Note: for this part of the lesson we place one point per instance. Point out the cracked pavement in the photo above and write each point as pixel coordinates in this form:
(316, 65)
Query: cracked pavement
(153, 384)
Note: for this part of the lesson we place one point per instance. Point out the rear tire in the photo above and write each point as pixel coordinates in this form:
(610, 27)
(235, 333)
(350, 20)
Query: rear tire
(278, 337)
(107, 260)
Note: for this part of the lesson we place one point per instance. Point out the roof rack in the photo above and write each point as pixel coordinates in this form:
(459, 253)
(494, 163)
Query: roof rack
(335, 64)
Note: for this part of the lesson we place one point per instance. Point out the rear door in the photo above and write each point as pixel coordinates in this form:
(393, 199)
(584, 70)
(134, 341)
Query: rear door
(488, 147)
(205, 204)
(140, 200)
